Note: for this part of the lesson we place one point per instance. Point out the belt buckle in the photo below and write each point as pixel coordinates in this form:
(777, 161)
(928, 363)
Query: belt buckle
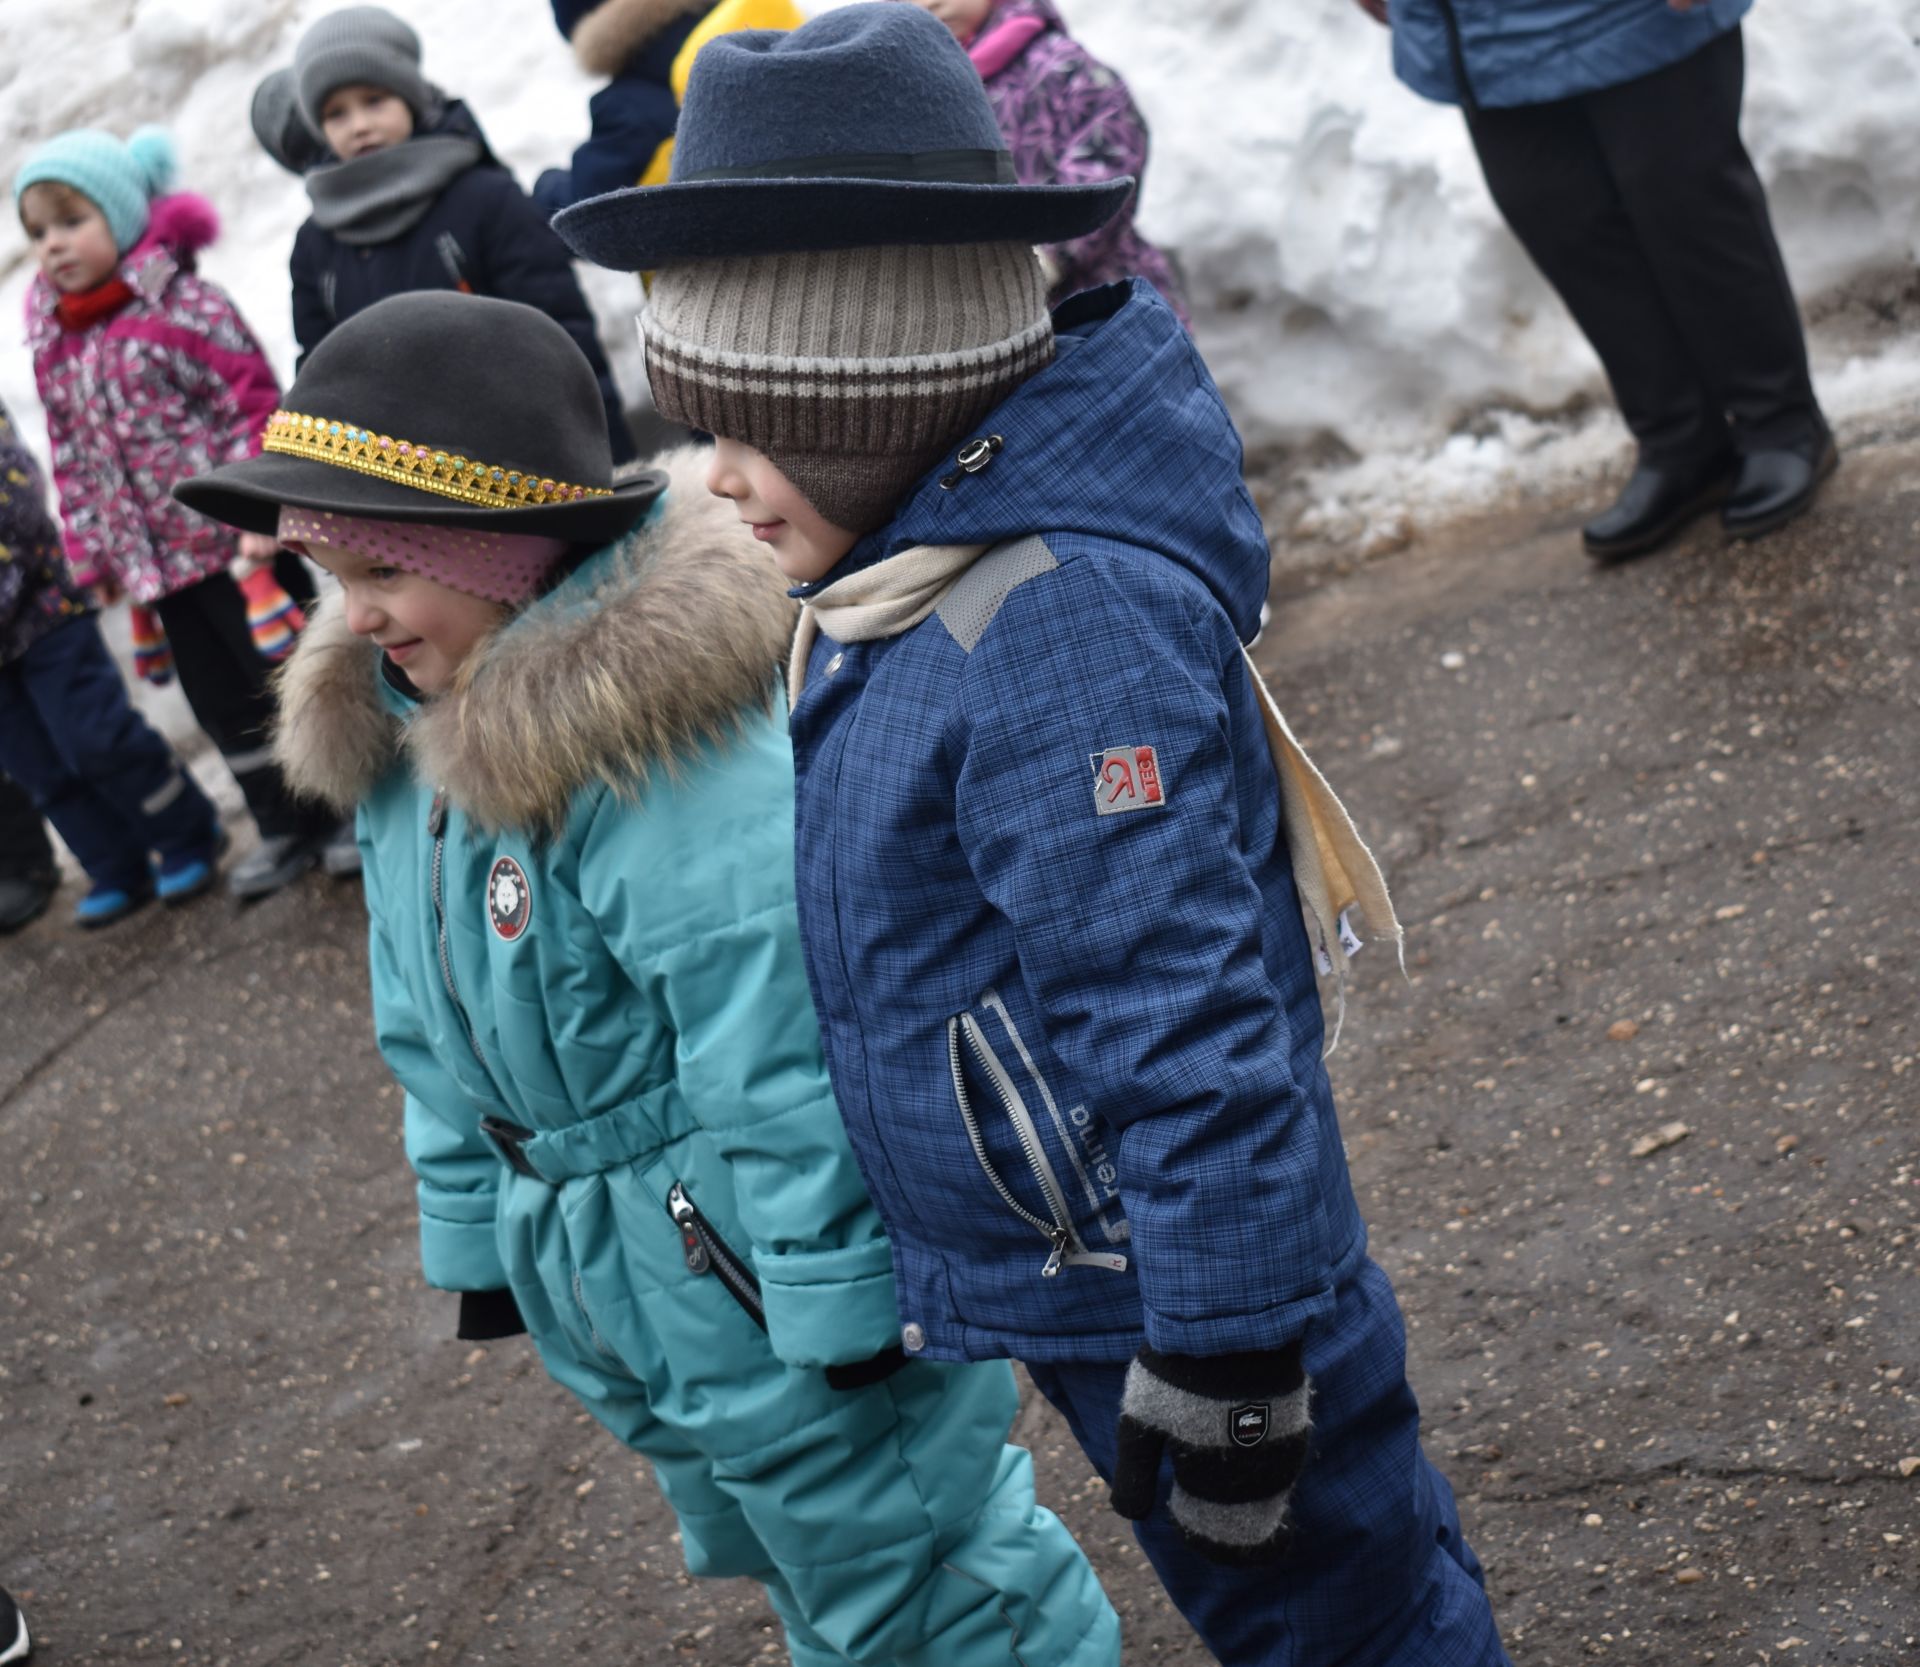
(509, 1140)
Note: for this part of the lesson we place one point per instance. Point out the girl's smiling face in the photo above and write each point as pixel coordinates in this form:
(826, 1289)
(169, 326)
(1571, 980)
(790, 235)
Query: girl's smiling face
(70, 237)
(426, 628)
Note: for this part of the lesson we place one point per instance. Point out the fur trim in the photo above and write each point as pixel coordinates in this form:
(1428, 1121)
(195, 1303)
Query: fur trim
(562, 698)
(614, 30)
(334, 738)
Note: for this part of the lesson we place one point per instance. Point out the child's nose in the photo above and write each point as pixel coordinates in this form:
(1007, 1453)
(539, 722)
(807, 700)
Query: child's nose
(363, 617)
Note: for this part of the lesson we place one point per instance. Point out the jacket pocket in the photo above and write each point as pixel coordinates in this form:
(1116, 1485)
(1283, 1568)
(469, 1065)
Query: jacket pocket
(706, 1252)
(967, 1037)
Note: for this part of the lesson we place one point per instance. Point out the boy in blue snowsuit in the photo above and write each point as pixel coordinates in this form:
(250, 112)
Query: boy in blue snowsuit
(1051, 906)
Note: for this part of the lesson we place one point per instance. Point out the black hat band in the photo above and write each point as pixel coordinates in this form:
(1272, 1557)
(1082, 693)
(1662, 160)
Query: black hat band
(927, 167)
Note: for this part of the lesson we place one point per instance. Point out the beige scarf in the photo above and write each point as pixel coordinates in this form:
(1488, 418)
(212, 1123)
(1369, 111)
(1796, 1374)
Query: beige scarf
(1333, 870)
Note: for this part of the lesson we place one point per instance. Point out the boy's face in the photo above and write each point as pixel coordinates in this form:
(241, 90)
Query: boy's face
(963, 17)
(805, 544)
(426, 628)
(359, 119)
(69, 235)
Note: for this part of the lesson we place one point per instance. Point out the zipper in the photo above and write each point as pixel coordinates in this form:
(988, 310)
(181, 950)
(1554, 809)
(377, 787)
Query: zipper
(1068, 1248)
(437, 827)
(707, 1252)
(994, 1003)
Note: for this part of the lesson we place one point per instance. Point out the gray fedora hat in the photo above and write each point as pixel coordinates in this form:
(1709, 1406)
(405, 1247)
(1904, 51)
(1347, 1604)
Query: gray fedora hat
(868, 125)
(436, 406)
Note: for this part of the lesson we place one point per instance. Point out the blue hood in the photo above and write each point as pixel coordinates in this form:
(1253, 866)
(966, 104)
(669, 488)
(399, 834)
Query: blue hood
(1124, 437)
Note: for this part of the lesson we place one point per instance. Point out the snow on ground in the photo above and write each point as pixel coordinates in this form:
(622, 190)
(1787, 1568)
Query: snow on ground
(1355, 291)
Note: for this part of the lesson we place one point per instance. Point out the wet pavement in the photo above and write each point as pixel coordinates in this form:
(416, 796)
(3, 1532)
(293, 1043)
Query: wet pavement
(1638, 1137)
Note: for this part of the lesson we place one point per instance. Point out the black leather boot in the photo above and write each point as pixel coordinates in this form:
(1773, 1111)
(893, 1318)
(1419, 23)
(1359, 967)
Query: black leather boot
(1655, 506)
(1775, 486)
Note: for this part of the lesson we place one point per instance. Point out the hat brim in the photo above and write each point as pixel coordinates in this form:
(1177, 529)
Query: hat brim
(248, 495)
(647, 226)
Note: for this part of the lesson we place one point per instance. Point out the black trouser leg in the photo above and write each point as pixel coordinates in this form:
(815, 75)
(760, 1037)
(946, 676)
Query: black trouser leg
(225, 680)
(24, 846)
(1550, 180)
(1672, 144)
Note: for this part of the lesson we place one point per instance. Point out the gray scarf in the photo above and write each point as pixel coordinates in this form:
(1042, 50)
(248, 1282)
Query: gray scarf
(373, 199)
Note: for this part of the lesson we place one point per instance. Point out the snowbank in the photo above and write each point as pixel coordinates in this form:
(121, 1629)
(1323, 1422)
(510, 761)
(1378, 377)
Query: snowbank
(1351, 277)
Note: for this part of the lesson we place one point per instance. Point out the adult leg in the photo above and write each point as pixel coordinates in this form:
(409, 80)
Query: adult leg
(1378, 1573)
(1672, 146)
(1550, 180)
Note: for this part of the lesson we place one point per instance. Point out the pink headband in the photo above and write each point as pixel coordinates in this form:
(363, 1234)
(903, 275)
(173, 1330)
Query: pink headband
(502, 567)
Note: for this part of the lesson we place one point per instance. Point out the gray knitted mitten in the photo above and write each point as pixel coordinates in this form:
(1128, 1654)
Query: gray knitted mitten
(1237, 1426)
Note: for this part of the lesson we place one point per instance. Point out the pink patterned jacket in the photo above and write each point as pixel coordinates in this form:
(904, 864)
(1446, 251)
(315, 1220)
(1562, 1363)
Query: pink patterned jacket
(171, 385)
(1069, 120)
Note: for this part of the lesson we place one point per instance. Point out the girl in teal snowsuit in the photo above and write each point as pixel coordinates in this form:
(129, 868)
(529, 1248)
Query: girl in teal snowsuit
(576, 814)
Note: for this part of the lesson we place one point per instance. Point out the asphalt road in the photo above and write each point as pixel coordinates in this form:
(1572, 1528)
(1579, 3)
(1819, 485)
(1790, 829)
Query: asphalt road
(1656, 836)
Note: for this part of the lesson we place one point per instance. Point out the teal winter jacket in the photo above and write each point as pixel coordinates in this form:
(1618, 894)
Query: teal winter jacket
(587, 978)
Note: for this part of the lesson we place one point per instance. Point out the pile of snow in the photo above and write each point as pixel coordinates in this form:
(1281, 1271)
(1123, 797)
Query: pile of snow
(1351, 278)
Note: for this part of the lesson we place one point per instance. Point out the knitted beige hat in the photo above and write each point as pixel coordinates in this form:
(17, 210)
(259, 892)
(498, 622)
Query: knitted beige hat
(853, 370)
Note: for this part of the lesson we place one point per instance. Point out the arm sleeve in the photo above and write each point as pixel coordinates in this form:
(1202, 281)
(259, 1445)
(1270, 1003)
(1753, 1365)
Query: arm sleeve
(69, 485)
(522, 259)
(1102, 136)
(239, 365)
(1139, 936)
(457, 1170)
(311, 321)
(747, 1057)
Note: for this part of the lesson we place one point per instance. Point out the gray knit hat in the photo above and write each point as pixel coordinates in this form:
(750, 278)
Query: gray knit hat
(362, 44)
(853, 370)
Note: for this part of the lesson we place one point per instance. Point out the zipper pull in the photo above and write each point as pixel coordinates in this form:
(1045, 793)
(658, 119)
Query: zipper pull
(437, 814)
(1058, 1259)
(680, 1207)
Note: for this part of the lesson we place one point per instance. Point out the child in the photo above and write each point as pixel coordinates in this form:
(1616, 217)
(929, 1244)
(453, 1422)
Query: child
(413, 198)
(645, 47)
(69, 737)
(1067, 119)
(557, 714)
(1053, 841)
(149, 374)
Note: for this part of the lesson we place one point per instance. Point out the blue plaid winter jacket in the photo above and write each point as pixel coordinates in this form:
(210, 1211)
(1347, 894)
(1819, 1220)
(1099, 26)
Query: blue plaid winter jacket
(1047, 908)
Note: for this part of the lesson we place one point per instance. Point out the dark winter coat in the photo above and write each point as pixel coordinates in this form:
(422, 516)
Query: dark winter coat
(1536, 51)
(1062, 1039)
(482, 235)
(635, 43)
(37, 588)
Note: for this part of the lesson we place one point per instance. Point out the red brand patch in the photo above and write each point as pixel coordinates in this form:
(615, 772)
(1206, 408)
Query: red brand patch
(1126, 778)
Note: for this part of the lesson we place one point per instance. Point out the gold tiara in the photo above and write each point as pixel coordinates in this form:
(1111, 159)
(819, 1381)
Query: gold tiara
(450, 475)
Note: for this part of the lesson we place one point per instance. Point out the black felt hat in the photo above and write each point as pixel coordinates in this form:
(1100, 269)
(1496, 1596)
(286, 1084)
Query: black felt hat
(868, 125)
(436, 406)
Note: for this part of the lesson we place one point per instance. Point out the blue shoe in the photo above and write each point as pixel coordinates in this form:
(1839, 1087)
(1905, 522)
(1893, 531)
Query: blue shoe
(103, 905)
(185, 878)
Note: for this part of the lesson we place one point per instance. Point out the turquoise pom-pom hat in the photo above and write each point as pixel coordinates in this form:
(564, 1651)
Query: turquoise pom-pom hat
(121, 177)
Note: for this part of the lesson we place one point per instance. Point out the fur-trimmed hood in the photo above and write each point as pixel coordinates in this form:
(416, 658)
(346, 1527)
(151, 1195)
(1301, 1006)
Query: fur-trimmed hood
(606, 37)
(664, 643)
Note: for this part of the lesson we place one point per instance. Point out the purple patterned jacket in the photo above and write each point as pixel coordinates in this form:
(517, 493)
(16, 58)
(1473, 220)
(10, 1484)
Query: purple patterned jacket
(171, 385)
(37, 591)
(1068, 120)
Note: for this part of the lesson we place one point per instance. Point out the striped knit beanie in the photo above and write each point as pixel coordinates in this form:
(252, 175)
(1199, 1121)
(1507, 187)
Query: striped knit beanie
(853, 370)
